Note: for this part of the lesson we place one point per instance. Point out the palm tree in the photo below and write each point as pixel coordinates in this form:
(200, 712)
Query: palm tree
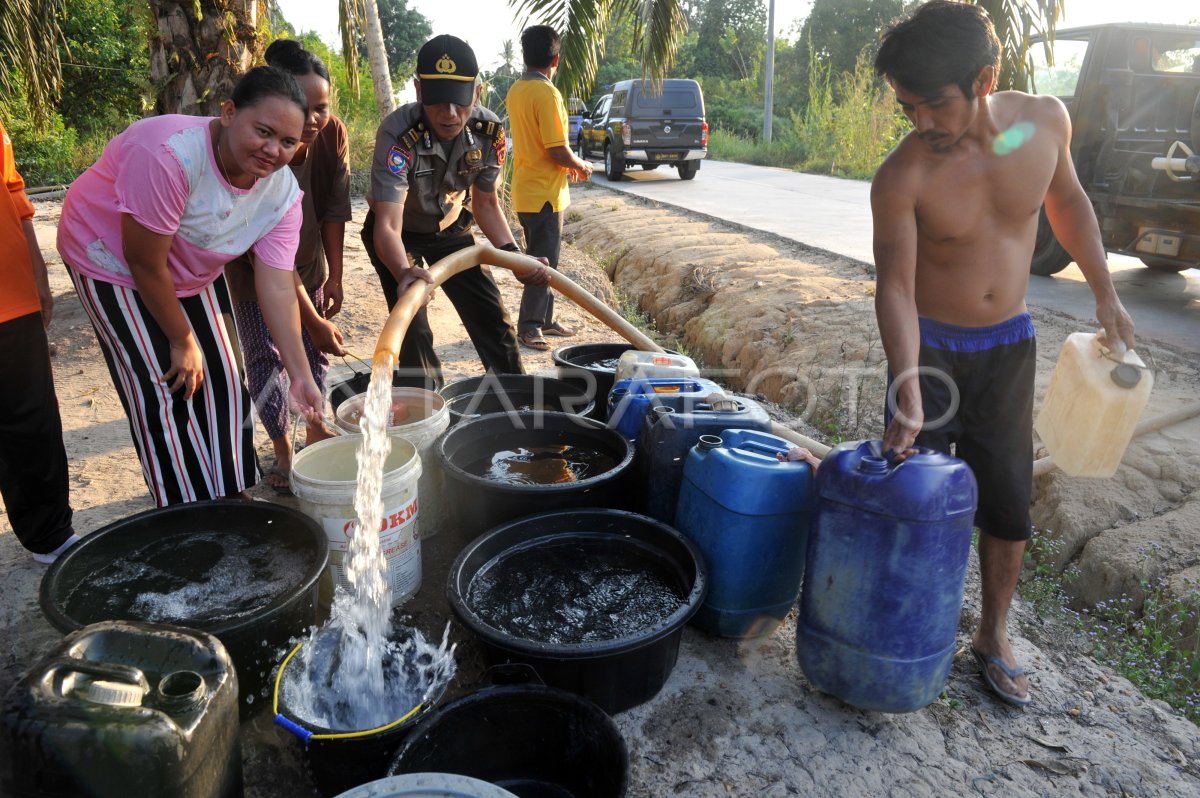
(658, 28)
(199, 49)
(1016, 21)
(29, 52)
(353, 17)
(660, 25)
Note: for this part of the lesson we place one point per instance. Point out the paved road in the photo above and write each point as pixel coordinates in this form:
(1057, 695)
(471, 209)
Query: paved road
(834, 214)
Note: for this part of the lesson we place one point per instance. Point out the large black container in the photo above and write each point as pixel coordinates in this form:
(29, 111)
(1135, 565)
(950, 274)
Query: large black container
(123, 709)
(579, 365)
(529, 739)
(339, 760)
(173, 552)
(616, 674)
(501, 393)
(478, 504)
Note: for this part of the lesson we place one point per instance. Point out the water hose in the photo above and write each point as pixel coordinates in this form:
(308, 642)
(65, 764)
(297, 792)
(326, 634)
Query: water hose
(1044, 465)
(387, 350)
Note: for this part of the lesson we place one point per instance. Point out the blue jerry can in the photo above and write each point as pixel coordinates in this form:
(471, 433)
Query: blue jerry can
(667, 437)
(749, 513)
(883, 585)
(630, 400)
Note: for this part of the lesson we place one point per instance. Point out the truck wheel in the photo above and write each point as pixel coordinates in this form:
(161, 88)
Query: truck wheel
(688, 169)
(614, 166)
(1166, 265)
(1049, 257)
(579, 145)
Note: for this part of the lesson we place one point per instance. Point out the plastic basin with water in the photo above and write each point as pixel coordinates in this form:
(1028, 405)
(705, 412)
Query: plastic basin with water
(616, 673)
(246, 572)
(478, 503)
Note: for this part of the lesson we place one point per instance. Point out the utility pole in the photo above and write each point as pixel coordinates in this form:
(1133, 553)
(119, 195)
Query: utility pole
(768, 94)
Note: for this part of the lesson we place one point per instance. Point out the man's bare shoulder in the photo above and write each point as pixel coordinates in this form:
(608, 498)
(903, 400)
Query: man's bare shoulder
(901, 170)
(1042, 109)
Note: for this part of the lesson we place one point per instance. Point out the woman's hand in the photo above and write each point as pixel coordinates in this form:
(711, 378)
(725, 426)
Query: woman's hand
(326, 337)
(305, 399)
(187, 367)
(332, 301)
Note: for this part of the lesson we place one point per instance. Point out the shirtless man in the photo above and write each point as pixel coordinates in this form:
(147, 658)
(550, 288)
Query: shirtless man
(955, 210)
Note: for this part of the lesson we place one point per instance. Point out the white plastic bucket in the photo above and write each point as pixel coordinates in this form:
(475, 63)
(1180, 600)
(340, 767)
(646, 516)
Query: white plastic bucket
(325, 480)
(429, 418)
(428, 785)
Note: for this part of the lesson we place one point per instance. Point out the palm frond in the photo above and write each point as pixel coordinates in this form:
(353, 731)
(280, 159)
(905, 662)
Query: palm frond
(30, 39)
(351, 16)
(1016, 21)
(659, 27)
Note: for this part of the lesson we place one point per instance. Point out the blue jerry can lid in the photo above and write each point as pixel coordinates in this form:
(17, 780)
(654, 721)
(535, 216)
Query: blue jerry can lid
(929, 486)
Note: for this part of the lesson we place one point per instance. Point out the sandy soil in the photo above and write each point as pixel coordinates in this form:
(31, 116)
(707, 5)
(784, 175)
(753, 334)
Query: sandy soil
(739, 718)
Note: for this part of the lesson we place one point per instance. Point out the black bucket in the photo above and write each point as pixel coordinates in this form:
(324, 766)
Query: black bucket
(529, 739)
(616, 673)
(591, 368)
(141, 568)
(477, 503)
(339, 760)
(506, 393)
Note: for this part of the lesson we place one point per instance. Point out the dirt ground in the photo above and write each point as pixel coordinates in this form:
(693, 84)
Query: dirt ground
(795, 327)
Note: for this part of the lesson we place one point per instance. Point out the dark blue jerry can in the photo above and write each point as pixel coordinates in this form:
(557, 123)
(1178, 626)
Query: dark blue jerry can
(749, 513)
(125, 708)
(883, 585)
(669, 434)
(630, 400)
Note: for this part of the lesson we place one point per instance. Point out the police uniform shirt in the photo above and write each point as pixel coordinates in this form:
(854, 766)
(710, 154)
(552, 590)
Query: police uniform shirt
(430, 178)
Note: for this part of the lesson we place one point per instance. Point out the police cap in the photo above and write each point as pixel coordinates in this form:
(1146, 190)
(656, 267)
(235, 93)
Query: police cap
(446, 67)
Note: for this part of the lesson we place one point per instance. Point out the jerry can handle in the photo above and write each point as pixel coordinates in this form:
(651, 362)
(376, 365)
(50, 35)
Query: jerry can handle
(105, 670)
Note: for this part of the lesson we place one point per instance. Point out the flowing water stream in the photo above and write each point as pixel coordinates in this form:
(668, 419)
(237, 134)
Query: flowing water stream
(357, 672)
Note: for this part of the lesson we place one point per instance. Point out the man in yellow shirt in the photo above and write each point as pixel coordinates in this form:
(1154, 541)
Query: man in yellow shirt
(542, 166)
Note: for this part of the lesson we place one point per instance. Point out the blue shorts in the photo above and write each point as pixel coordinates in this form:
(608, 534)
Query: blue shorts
(977, 396)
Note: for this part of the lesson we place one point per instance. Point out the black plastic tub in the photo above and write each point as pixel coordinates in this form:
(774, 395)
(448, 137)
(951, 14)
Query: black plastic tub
(147, 566)
(616, 674)
(477, 503)
(359, 380)
(529, 739)
(580, 365)
(338, 760)
(505, 393)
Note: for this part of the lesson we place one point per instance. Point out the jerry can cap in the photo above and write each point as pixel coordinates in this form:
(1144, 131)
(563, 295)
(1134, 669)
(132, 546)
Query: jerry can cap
(113, 694)
(1126, 375)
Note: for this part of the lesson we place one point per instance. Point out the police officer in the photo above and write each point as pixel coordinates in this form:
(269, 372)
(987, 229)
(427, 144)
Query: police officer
(435, 169)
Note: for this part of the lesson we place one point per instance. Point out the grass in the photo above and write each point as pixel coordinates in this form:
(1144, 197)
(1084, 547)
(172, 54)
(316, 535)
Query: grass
(1154, 645)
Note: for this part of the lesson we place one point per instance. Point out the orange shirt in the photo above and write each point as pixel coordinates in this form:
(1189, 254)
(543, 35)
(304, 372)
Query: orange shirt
(18, 291)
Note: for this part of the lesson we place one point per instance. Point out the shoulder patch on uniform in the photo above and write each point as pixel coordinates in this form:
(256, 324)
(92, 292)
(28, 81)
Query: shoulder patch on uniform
(501, 145)
(398, 159)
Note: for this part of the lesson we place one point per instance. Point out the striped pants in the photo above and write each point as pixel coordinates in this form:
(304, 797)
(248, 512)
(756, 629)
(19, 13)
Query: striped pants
(199, 448)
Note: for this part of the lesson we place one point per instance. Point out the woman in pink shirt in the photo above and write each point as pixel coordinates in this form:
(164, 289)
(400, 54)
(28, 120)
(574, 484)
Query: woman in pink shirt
(145, 233)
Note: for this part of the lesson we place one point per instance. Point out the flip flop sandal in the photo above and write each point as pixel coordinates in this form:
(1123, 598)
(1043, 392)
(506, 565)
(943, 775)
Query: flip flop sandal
(558, 330)
(534, 341)
(284, 489)
(984, 661)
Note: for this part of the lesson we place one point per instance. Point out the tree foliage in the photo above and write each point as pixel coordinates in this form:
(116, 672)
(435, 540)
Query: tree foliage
(404, 31)
(1016, 21)
(29, 52)
(105, 65)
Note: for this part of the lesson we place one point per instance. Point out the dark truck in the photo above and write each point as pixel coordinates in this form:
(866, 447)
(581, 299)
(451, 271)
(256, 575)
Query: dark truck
(640, 123)
(1133, 93)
